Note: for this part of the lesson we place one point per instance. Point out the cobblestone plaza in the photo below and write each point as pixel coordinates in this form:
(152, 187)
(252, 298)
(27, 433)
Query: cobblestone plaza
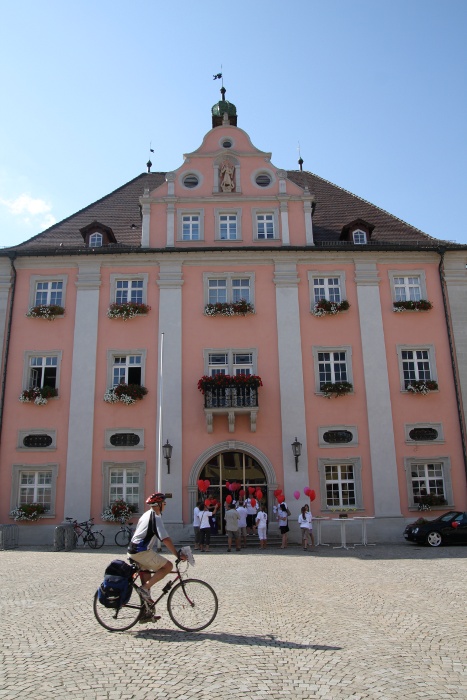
(380, 622)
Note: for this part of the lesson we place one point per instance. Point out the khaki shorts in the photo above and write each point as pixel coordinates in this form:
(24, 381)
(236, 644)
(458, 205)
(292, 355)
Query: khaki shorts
(149, 560)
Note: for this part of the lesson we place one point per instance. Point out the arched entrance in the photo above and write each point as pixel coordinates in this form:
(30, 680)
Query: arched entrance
(232, 461)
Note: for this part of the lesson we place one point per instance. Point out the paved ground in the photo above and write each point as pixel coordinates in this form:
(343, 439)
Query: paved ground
(383, 622)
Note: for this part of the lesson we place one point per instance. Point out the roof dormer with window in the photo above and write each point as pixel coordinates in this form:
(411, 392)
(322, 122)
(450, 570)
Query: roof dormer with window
(357, 232)
(96, 235)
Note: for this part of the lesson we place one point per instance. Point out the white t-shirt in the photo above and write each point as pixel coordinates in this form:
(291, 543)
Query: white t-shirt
(251, 510)
(305, 522)
(242, 512)
(196, 516)
(261, 520)
(204, 519)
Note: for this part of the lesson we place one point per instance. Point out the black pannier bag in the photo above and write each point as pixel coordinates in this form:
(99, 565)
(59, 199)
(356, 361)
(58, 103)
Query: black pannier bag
(115, 589)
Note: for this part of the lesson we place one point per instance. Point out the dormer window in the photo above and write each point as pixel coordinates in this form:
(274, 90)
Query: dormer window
(95, 240)
(357, 232)
(96, 235)
(359, 237)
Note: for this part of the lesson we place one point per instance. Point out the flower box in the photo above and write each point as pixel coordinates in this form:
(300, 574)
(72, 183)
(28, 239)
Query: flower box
(119, 512)
(422, 305)
(127, 310)
(422, 386)
(38, 396)
(125, 393)
(323, 307)
(28, 511)
(47, 311)
(237, 308)
(226, 381)
(329, 389)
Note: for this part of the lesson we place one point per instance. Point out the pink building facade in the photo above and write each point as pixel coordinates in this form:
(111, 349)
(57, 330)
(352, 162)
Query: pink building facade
(246, 271)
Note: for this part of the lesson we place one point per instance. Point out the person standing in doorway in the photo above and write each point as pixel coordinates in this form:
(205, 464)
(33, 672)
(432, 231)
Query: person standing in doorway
(231, 527)
(262, 525)
(241, 510)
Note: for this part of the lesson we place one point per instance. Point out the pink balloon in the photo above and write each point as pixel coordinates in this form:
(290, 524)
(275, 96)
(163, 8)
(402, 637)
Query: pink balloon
(306, 490)
(296, 495)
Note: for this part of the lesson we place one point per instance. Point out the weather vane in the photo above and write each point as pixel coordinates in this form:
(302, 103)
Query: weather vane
(218, 76)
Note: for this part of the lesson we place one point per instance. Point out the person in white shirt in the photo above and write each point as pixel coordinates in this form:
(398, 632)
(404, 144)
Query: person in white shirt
(262, 524)
(251, 511)
(196, 520)
(283, 524)
(304, 520)
(241, 510)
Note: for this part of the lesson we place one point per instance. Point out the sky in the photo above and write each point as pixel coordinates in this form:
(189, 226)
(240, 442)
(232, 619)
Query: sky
(373, 92)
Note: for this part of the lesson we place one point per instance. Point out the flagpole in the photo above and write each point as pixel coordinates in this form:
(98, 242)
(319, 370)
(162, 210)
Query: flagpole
(159, 418)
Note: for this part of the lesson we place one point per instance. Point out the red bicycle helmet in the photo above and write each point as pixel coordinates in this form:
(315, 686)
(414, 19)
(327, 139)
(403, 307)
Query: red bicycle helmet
(155, 498)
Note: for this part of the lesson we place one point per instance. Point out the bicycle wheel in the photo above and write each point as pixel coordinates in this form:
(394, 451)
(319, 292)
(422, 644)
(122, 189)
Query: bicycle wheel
(122, 538)
(192, 605)
(95, 540)
(119, 619)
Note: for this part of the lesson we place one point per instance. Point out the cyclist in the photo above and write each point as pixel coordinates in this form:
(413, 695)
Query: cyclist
(149, 529)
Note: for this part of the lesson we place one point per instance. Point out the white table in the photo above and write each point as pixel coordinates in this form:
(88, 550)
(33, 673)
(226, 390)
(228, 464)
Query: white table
(317, 531)
(343, 522)
(364, 519)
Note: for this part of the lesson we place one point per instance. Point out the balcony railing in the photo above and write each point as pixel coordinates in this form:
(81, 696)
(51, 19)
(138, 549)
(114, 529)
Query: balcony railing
(231, 397)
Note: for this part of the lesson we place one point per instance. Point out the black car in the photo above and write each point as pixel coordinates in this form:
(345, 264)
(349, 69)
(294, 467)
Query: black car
(450, 528)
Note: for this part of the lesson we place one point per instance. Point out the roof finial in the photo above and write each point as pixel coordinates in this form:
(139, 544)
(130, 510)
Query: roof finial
(149, 164)
(300, 159)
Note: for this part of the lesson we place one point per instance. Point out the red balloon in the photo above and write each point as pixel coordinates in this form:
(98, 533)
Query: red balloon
(253, 502)
(306, 490)
(259, 494)
(281, 498)
(241, 493)
(277, 492)
(312, 494)
(228, 499)
(207, 502)
(236, 486)
(251, 490)
(201, 485)
(207, 484)
(227, 484)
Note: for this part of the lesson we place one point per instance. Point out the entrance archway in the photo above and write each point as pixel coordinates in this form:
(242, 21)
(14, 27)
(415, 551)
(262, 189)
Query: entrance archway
(232, 461)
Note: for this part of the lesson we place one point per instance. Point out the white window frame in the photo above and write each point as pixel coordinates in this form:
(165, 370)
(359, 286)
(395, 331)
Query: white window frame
(228, 212)
(29, 354)
(107, 467)
(96, 240)
(230, 365)
(359, 234)
(326, 275)
(421, 274)
(111, 354)
(229, 277)
(412, 426)
(255, 214)
(37, 431)
(34, 279)
(322, 429)
(414, 348)
(125, 277)
(112, 431)
(18, 469)
(190, 212)
(356, 463)
(445, 462)
(347, 349)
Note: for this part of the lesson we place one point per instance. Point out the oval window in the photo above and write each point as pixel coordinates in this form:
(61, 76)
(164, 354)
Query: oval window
(124, 439)
(37, 441)
(337, 436)
(190, 181)
(423, 434)
(227, 143)
(263, 180)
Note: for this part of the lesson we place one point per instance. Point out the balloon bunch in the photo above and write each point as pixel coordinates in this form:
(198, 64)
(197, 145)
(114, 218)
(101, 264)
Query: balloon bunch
(203, 485)
(307, 491)
(234, 486)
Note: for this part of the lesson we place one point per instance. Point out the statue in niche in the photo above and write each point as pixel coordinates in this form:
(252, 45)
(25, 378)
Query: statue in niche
(227, 176)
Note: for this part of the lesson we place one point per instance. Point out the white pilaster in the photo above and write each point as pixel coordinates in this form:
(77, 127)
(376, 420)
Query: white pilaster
(307, 210)
(146, 212)
(83, 381)
(5, 285)
(285, 222)
(170, 224)
(375, 369)
(290, 378)
(170, 323)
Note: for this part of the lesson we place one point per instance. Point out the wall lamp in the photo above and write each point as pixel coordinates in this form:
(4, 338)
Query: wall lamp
(167, 452)
(297, 451)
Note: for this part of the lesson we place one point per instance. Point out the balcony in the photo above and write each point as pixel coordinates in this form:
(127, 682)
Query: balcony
(231, 396)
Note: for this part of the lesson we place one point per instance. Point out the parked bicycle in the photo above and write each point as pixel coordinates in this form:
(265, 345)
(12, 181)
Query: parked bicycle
(124, 535)
(94, 538)
(192, 604)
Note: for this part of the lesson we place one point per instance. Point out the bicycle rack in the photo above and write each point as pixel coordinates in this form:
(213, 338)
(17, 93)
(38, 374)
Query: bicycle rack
(64, 538)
